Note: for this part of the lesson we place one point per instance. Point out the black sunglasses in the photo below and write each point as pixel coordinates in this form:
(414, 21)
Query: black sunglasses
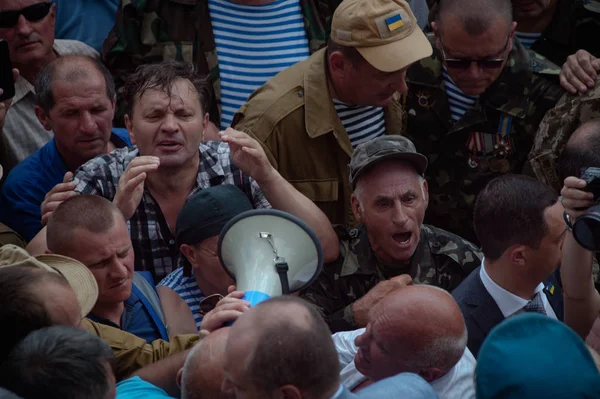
(465, 63)
(33, 13)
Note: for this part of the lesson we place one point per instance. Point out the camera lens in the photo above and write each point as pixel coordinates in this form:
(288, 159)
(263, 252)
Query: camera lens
(586, 229)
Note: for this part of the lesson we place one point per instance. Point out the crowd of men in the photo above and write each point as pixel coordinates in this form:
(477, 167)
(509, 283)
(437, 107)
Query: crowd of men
(439, 150)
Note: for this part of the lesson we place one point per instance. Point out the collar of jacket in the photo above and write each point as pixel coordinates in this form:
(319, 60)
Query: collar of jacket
(320, 115)
(508, 94)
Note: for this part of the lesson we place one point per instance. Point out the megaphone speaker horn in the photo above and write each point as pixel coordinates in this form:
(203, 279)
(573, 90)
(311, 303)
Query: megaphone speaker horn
(269, 253)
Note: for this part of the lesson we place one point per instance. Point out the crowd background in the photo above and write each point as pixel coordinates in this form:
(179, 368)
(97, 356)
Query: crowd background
(445, 153)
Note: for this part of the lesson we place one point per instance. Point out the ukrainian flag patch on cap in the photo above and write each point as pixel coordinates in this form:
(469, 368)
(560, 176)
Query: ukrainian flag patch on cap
(394, 22)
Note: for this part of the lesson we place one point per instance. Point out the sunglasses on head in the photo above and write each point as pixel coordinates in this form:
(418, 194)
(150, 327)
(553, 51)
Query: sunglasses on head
(465, 63)
(33, 13)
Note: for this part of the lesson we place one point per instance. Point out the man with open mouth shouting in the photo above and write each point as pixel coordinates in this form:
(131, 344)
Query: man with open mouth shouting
(391, 247)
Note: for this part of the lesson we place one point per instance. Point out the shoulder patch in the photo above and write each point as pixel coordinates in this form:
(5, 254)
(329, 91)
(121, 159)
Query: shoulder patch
(542, 65)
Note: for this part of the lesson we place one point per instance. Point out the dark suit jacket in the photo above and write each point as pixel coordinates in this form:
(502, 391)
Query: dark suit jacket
(481, 312)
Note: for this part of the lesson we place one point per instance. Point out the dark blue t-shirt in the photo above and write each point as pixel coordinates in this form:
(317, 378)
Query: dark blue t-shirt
(28, 183)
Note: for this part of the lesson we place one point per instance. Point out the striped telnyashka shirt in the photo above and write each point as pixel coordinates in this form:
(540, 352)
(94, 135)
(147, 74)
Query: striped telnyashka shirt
(361, 123)
(254, 43)
(187, 289)
(527, 39)
(458, 101)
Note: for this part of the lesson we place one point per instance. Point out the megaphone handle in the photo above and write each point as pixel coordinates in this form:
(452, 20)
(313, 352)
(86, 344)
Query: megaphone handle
(282, 269)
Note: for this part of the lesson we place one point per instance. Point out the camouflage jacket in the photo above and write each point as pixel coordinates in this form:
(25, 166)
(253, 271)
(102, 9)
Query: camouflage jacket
(150, 31)
(526, 89)
(441, 259)
(556, 129)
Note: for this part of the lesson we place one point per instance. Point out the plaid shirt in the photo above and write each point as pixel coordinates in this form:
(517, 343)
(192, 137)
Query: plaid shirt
(153, 242)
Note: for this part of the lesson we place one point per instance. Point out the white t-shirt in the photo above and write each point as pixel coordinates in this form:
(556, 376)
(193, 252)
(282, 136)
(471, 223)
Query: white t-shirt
(458, 383)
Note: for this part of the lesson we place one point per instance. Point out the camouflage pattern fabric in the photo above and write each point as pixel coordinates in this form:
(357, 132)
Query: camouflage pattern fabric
(441, 259)
(555, 130)
(151, 31)
(526, 89)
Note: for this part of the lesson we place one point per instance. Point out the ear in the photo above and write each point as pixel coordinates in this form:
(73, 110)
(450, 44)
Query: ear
(189, 253)
(53, 14)
(205, 123)
(436, 33)
(114, 103)
(129, 126)
(289, 392)
(338, 64)
(426, 192)
(178, 378)
(512, 35)
(517, 255)
(43, 118)
(356, 208)
(430, 374)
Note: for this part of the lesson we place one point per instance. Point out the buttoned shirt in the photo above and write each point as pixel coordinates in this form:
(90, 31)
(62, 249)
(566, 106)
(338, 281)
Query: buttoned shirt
(509, 303)
(153, 242)
(23, 133)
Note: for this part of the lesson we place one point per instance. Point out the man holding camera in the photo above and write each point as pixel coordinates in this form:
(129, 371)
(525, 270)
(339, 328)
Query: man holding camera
(582, 301)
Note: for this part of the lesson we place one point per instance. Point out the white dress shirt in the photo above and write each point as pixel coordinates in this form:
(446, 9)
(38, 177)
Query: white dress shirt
(458, 383)
(509, 303)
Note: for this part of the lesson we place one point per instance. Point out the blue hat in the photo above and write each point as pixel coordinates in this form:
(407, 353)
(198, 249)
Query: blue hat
(405, 386)
(535, 356)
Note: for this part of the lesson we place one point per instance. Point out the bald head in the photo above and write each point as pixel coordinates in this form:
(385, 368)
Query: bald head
(422, 326)
(202, 375)
(581, 151)
(283, 341)
(476, 16)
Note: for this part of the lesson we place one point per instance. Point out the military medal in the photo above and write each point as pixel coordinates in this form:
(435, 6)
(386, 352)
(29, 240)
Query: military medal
(476, 146)
(502, 146)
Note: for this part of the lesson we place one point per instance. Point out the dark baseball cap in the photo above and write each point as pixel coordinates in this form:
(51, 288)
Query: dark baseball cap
(206, 213)
(384, 148)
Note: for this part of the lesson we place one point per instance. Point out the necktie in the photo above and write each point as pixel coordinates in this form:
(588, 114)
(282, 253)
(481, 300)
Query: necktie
(536, 304)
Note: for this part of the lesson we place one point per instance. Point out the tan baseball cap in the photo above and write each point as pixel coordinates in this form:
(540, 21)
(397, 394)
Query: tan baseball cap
(385, 32)
(76, 273)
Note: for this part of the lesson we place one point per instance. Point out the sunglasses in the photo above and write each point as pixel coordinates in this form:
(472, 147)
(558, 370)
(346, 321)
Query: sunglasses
(33, 13)
(465, 63)
(208, 303)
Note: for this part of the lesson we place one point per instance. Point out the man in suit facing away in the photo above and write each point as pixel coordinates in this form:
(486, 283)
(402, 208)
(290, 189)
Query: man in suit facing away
(282, 348)
(519, 223)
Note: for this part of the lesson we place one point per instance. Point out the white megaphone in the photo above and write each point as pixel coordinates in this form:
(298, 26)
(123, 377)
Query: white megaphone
(269, 253)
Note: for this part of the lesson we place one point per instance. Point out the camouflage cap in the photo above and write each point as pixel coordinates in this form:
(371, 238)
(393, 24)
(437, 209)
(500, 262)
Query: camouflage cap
(383, 148)
(78, 276)
(385, 32)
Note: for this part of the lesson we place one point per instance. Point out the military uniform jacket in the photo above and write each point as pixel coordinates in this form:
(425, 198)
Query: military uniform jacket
(294, 118)
(519, 98)
(441, 259)
(555, 130)
(151, 31)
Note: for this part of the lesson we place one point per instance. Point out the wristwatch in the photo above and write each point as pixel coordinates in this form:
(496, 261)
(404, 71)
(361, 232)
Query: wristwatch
(568, 221)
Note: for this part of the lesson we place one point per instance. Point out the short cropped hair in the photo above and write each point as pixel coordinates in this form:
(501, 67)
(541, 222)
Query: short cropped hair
(476, 15)
(21, 310)
(288, 353)
(70, 67)
(59, 362)
(162, 76)
(91, 213)
(509, 211)
(582, 152)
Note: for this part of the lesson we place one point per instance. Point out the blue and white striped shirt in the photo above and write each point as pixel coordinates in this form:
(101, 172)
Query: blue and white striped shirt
(187, 289)
(254, 43)
(361, 123)
(527, 39)
(458, 101)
